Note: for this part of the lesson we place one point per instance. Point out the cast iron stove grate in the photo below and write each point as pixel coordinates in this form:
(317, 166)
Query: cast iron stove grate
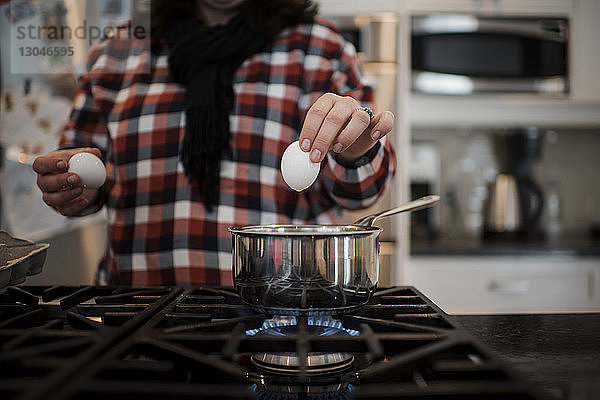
(47, 333)
(200, 343)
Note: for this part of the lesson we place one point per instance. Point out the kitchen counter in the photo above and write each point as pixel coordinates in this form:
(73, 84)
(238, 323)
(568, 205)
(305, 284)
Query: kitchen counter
(567, 246)
(559, 352)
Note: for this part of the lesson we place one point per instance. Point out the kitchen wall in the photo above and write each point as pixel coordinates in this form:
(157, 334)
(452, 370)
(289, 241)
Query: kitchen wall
(569, 167)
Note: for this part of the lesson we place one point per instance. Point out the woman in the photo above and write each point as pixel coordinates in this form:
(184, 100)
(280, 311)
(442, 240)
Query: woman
(194, 145)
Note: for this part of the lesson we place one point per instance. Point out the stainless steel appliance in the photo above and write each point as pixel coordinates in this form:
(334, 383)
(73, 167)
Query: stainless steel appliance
(67, 343)
(466, 54)
(504, 211)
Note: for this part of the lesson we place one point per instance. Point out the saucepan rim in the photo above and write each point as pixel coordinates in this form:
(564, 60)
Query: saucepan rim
(304, 230)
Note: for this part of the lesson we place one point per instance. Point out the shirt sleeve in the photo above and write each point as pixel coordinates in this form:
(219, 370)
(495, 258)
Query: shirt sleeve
(331, 65)
(87, 124)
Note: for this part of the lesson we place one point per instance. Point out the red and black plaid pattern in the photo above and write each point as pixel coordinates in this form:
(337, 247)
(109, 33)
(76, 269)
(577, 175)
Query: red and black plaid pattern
(160, 232)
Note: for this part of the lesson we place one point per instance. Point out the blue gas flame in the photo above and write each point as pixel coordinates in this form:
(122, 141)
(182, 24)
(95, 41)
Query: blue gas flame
(333, 326)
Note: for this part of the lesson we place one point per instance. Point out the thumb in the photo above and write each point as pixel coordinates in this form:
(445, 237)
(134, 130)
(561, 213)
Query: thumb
(58, 161)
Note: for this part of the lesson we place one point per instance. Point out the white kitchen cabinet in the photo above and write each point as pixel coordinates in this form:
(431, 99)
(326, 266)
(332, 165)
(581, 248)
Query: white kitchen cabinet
(491, 7)
(340, 8)
(585, 51)
(507, 111)
(507, 284)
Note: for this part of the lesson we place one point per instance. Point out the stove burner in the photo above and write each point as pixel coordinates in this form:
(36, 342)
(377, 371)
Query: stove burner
(342, 391)
(290, 363)
(316, 363)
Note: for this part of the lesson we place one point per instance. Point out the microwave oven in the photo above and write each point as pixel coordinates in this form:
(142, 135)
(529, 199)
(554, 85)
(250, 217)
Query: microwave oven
(468, 54)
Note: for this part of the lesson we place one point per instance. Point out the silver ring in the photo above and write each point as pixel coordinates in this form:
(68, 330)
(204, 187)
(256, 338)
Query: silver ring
(368, 110)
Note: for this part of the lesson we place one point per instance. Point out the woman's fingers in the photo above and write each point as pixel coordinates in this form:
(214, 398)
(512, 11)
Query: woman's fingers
(334, 122)
(338, 123)
(62, 190)
(380, 126)
(76, 205)
(58, 199)
(314, 119)
(57, 182)
(58, 161)
(50, 164)
(383, 124)
(324, 121)
(358, 123)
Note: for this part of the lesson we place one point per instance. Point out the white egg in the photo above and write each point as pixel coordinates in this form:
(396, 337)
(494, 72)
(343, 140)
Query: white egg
(297, 169)
(91, 169)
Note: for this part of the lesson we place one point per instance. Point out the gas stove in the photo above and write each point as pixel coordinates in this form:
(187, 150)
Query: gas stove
(90, 342)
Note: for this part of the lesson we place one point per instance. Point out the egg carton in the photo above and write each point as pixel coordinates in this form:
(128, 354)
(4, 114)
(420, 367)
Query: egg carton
(19, 258)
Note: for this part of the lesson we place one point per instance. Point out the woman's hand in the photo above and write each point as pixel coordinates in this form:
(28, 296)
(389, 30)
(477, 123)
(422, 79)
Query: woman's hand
(62, 190)
(338, 123)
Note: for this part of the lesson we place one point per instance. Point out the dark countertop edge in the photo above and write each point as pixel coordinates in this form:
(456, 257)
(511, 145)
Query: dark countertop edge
(503, 252)
(578, 247)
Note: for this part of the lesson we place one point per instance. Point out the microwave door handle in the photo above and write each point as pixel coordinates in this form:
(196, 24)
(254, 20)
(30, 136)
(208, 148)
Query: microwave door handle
(554, 32)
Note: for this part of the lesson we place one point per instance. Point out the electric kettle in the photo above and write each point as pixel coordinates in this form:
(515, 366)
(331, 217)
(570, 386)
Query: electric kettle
(503, 214)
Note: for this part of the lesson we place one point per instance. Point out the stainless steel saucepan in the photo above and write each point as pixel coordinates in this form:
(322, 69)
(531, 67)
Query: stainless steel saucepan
(310, 269)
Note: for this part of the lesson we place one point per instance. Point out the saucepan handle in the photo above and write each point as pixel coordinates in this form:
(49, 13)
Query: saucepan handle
(423, 202)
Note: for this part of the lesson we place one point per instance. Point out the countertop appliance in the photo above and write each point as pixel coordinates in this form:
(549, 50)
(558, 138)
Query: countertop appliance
(88, 342)
(516, 200)
(467, 54)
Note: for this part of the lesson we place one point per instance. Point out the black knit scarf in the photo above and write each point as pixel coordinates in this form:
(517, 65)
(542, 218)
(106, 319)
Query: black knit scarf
(204, 60)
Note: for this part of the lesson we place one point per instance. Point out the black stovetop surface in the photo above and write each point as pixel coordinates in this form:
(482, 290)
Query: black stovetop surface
(125, 342)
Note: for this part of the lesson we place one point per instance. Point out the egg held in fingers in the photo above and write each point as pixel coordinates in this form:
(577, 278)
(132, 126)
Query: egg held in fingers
(89, 168)
(298, 171)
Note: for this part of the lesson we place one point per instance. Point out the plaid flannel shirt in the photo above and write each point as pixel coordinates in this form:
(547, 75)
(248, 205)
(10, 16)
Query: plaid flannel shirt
(159, 230)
